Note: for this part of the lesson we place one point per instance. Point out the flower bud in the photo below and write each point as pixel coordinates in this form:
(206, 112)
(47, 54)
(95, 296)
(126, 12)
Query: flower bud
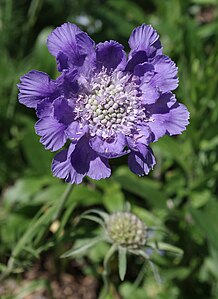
(127, 230)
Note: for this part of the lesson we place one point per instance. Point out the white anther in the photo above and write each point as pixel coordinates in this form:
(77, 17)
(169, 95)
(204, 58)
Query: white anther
(110, 103)
(110, 110)
(101, 116)
(115, 106)
(107, 106)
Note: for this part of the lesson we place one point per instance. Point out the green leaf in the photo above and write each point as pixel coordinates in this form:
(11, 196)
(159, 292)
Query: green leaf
(166, 247)
(94, 219)
(82, 249)
(122, 252)
(206, 222)
(38, 158)
(146, 188)
(25, 189)
(102, 214)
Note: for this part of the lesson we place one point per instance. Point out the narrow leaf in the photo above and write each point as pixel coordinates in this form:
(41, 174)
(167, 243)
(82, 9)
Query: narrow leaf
(122, 262)
(79, 251)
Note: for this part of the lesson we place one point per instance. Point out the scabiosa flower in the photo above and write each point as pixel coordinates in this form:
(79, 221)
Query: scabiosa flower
(107, 104)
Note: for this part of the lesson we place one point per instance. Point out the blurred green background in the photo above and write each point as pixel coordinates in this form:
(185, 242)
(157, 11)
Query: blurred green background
(180, 195)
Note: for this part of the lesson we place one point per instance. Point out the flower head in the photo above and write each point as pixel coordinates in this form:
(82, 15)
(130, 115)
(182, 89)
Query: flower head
(106, 103)
(126, 229)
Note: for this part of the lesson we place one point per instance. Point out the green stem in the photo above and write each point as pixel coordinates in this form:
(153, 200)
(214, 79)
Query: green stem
(106, 270)
(63, 201)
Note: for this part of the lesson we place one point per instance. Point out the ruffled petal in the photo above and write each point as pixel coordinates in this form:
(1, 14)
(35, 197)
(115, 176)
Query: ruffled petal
(34, 87)
(145, 70)
(73, 165)
(138, 58)
(63, 112)
(75, 131)
(167, 116)
(99, 167)
(45, 108)
(111, 147)
(165, 77)
(52, 133)
(63, 169)
(144, 135)
(150, 94)
(85, 44)
(145, 38)
(72, 47)
(141, 161)
(86, 49)
(52, 127)
(67, 82)
(63, 39)
(110, 55)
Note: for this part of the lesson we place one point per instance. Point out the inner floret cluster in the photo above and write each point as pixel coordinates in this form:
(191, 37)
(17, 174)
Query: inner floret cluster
(105, 103)
(109, 104)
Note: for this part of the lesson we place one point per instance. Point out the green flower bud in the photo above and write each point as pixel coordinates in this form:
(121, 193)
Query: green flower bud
(127, 230)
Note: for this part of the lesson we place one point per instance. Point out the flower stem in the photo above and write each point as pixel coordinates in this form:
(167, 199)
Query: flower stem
(106, 270)
(62, 202)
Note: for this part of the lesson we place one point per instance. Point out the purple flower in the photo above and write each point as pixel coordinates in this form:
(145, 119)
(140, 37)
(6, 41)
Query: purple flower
(107, 104)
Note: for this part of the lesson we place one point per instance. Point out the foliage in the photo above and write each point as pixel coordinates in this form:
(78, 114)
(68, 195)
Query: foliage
(180, 195)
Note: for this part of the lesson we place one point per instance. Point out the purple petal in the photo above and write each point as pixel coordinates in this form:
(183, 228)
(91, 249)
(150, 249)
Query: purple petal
(167, 116)
(85, 44)
(111, 147)
(141, 161)
(75, 131)
(81, 161)
(34, 87)
(52, 127)
(86, 49)
(166, 74)
(144, 135)
(145, 38)
(63, 112)
(62, 61)
(84, 159)
(110, 54)
(72, 47)
(99, 167)
(67, 82)
(63, 39)
(150, 94)
(138, 58)
(52, 132)
(62, 167)
(45, 108)
(144, 69)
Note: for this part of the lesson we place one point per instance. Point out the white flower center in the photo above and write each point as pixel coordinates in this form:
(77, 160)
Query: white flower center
(109, 104)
